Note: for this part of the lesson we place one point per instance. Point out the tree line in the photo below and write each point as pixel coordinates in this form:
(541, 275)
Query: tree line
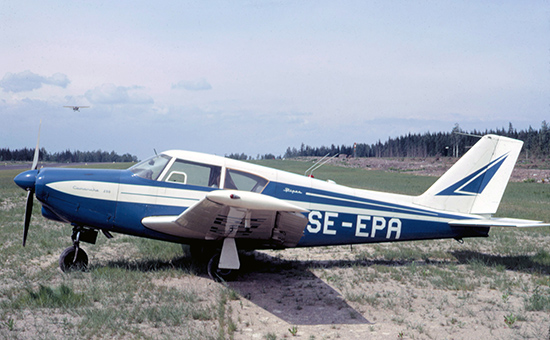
(452, 144)
(244, 157)
(67, 156)
(448, 144)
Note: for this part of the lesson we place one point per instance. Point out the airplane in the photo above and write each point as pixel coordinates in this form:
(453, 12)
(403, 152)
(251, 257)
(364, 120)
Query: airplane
(219, 206)
(77, 108)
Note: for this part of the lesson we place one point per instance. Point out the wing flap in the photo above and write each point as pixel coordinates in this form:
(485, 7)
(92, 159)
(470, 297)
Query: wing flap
(236, 214)
(499, 222)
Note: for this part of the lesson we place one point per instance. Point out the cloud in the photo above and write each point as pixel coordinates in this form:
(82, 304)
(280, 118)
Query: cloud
(28, 81)
(197, 85)
(110, 94)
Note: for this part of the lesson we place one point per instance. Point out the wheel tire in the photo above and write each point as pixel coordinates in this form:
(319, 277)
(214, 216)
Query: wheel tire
(67, 261)
(218, 274)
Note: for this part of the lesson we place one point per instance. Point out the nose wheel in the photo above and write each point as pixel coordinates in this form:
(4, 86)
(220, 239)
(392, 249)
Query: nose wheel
(75, 258)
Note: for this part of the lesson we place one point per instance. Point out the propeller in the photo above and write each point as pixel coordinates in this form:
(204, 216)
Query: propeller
(30, 191)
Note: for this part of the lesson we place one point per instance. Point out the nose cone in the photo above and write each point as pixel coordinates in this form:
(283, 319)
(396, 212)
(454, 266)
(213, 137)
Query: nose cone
(26, 180)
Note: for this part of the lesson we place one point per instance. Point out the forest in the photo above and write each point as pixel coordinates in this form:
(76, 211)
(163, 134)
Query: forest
(67, 156)
(440, 144)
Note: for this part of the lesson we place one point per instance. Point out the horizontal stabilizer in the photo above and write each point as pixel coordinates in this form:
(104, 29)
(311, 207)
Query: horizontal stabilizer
(498, 222)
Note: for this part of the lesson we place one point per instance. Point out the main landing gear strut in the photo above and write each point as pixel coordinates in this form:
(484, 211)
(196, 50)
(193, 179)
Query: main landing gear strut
(211, 255)
(220, 274)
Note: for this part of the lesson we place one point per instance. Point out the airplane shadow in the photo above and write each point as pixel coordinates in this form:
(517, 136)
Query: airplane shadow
(539, 263)
(288, 290)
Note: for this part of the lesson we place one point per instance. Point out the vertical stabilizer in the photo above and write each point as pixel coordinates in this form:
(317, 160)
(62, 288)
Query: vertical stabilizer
(476, 183)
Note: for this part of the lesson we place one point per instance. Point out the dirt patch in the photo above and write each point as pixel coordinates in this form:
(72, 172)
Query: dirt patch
(336, 296)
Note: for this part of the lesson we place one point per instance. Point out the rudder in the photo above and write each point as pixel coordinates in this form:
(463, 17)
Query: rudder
(476, 183)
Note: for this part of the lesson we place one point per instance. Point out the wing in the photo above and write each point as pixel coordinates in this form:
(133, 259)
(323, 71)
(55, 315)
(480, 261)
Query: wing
(498, 222)
(236, 214)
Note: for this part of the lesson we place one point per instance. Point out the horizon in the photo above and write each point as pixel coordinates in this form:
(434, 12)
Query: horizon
(256, 77)
(260, 156)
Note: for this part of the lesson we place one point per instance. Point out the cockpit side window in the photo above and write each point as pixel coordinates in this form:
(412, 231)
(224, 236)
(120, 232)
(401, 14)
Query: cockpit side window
(240, 180)
(192, 173)
(150, 168)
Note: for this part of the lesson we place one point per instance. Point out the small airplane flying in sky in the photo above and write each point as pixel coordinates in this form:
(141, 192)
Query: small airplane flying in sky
(77, 108)
(219, 206)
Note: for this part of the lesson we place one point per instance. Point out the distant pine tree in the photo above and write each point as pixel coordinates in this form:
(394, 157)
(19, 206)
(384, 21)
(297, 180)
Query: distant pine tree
(67, 156)
(447, 144)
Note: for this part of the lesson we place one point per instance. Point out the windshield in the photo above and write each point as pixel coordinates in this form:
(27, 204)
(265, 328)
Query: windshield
(150, 168)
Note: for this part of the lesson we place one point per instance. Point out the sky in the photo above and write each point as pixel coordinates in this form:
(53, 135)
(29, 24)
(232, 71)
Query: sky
(257, 77)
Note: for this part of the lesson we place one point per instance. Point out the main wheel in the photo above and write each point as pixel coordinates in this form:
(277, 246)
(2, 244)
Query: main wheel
(68, 262)
(219, 274)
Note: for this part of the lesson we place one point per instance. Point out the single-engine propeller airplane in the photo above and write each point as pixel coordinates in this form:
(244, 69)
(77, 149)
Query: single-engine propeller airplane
(77, 108)
(219, 205)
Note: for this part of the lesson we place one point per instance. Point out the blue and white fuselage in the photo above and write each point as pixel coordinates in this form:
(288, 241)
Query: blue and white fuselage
(194, 198)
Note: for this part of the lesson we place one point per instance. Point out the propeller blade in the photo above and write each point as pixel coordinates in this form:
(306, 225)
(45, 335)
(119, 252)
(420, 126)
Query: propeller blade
(28, 214)
(30, 193)
(36, 150)
(27, 180)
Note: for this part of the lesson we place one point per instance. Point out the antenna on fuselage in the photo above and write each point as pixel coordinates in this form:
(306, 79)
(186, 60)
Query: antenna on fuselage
(155, 150)
(467, 134)
(318, 164)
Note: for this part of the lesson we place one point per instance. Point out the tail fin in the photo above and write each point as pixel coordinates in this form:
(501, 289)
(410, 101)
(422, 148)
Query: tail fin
(476, 183)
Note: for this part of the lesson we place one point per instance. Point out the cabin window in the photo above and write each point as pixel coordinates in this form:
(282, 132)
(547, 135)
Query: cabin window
(151, 168)
(192, 173)
(240, 180)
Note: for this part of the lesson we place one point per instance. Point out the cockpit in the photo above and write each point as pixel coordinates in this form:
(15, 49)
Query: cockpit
(150, 168)
(172, 169)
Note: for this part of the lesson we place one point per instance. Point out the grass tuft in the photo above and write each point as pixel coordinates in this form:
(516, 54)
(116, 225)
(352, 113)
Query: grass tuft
(46, 297)
(538, 301)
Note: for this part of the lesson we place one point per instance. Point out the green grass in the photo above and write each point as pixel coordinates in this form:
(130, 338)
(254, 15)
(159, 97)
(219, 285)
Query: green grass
(539, 300)
(139, 288)
(112, 299)
(62, 297)
(359, 178)
(526, 200)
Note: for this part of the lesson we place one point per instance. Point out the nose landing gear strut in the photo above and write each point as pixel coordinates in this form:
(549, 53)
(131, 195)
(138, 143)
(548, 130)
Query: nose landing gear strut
(75, 258)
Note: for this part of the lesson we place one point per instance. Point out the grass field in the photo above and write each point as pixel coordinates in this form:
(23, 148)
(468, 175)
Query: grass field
(143, 289)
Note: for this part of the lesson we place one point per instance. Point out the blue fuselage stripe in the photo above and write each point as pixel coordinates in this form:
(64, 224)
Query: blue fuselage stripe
(334, 218)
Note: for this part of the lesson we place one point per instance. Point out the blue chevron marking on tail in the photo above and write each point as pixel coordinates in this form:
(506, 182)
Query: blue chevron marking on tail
(476, 182)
